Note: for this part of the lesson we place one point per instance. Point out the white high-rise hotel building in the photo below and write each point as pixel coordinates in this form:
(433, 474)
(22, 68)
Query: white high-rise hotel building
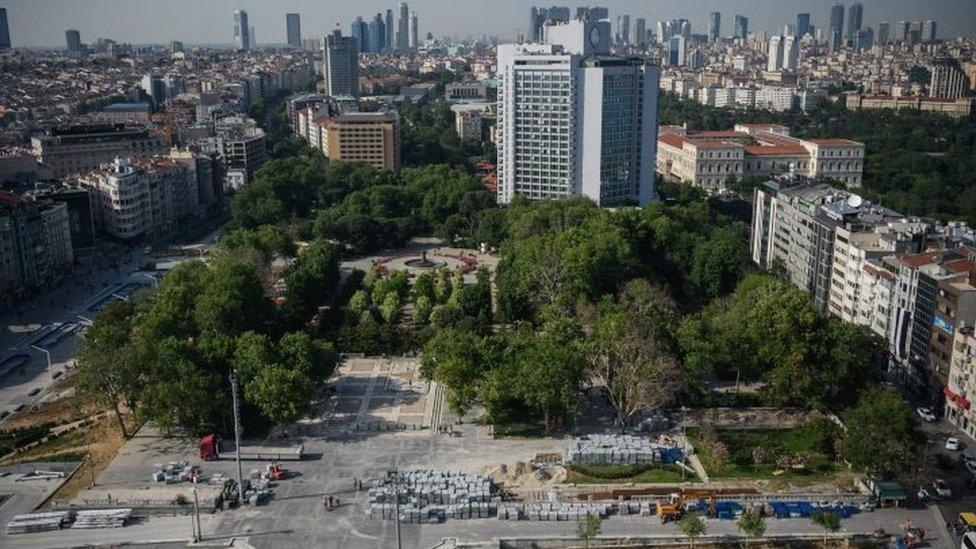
(575, 120)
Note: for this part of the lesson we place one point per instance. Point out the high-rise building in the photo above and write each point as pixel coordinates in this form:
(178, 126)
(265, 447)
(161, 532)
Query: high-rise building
(902, 32)
(574, 120)
(662, 32)
(624, 29)
(293, 24)
(72, 39)
(359, 31)
(677, 51)
(855, 16)
(35, 244)
(414, 39)
(376, 34)
(242, 31)
(403, 27)
(802, 24)
(774, 51)
(640, 31)
(948, 81)
(390, 31)
(533, 33)
(714, 26)
(863, 40)
(741, 26)
(789, 52)
(884, 32)
(4, 30)
(928, 31)
(373, 138)
(242, 145)
(253, 36)
(835, 32)
(155, 88)
(340, 65)
(683, 28)
(586, 13)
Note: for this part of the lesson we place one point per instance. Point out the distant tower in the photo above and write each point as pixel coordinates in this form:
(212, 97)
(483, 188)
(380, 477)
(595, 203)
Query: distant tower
(242, 31)
(835, 32)
(802, 24)
(403, 27)
(414, 41)
(390, 31)
(741, 26)
(293, 23)
(4, 30)
(73, 39)
(714, 26)
(855, 17)
(340, 65)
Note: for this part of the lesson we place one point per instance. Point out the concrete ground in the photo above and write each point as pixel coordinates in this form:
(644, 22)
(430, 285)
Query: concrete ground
(19, 497)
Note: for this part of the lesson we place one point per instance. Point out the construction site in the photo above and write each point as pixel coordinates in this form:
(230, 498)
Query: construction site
(383, 459)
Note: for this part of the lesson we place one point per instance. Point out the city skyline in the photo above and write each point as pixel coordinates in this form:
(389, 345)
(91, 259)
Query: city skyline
(42, 23)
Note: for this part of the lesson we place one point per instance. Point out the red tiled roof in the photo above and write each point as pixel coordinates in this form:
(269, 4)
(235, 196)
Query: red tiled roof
(712, 144)
(716, 134)
(671, 139)
(960, 265)
(916, 261)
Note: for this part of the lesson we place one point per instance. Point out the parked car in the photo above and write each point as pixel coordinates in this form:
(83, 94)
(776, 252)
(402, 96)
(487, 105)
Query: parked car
(941, 488)
(952, 443)
(926, 413)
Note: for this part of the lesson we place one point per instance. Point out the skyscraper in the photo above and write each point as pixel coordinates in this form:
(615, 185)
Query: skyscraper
(928, 31)
(902, 31)
(390, 31)
(242, 31)
(789, 53)
(802, 24)
(948, 81)
(574, 120)
(377, 34)
(677, 51)
(741, 26)
(683, 28)
(855, 15)
(625, 29)
(835, 32)
(884, 32)
(640, 31)
(714, 26)
(4, 30)
(359, 31)
(253, 37)
(293, 23)
(403, 27)
(414, 38)
(73, 39)
(340, 65)
(533, 33)
(774, 52)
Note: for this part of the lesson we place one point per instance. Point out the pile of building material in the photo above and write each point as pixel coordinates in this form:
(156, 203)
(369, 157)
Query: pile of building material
(432, 496)
(102, 518)
(553, 511)
(177, 471)
(620, 450)
(38, 522)
(41, 475)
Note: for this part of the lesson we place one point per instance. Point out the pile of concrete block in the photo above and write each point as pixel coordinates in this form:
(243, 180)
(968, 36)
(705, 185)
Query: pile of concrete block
(431, 496)
(613, 450)
(38, 522)
(102, 518)
(177, 471)
(636, 507)
(562, 512)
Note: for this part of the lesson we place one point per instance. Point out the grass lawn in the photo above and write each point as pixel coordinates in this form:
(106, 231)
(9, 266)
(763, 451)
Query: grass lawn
(808, 439)
(621, 474)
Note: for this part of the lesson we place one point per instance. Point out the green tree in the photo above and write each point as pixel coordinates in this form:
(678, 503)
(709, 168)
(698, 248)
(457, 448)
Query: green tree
(422, 309)
(232, 300)
(588, 528)
(455, 360)
(552, 370)
(107, 372)
(282, 394)
(752, 523)
(720, 261)
(390, 308)
(693, 526)
(882, 434)
(311, 278)
(827, 520)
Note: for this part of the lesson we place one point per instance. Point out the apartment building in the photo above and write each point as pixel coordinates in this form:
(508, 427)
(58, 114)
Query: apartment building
(708, 159)
(961, 385)
(241, 144)
(468, 123)
(35, 244)
(146, 199)
(79, 149)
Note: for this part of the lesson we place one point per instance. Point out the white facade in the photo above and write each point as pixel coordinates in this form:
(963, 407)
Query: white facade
(573, 120)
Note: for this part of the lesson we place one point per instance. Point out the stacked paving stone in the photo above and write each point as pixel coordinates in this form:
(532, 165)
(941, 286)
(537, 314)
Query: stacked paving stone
(37, 522)
(431, 496)
(613, 450)
(102, 518)
(553, 511)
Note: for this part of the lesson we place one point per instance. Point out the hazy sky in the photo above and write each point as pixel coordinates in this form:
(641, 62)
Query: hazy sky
(43, 22)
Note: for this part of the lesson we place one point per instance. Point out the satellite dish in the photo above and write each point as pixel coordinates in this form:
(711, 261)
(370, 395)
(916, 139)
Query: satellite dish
(855, 201)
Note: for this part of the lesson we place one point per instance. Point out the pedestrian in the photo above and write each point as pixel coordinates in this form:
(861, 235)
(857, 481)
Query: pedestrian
(355, 483)
(337, 501)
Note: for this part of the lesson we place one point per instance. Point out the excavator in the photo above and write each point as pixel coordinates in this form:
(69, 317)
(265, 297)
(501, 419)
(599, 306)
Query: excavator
(673, 508)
